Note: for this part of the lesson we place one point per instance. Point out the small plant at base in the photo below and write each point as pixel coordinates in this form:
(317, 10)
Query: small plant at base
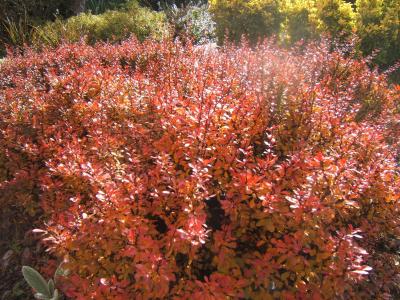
(44, 290)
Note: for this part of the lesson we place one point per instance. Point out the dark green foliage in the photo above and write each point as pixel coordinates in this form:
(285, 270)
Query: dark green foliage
(36, 10)
(18, 16)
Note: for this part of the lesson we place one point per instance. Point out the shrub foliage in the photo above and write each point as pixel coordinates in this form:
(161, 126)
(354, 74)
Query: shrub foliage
(379, 29)
(112, 25)
(170, 171)
(254, 18)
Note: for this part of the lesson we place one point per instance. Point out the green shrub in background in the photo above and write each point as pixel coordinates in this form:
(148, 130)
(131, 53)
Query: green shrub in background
(19, 19)
(378, 26)
(301, 22)
(336, 17)
(253, 18)
(110, 26)
(308, 19)
(291, 19)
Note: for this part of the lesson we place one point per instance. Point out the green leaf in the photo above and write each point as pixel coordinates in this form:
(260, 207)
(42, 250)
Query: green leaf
(60, 272)
(36, 281)
(50, 284)
(55, 296)
(40, 296)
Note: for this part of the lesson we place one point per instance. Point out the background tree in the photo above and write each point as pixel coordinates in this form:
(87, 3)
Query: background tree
(378, 26)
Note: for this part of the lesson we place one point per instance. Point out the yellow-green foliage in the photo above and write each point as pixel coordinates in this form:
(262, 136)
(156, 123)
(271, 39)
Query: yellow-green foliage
(378, 26)
(336, 17)
(301, 20)
(109, 26)
(307, 19)
(292, 20)
(253, 18)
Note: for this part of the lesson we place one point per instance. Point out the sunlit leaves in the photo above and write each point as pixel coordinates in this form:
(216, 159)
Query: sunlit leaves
(165, 170)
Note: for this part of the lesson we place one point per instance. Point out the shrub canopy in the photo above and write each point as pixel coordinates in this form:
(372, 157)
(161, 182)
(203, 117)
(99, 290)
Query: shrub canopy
(167, 170)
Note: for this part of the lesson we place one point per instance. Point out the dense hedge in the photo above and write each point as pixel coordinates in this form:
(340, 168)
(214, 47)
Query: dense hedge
(255, 19)
(112, 25)
(290, 19)
(171, 171)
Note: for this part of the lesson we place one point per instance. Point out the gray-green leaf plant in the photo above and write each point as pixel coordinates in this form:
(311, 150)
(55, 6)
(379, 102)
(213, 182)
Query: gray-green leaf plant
(43, 290)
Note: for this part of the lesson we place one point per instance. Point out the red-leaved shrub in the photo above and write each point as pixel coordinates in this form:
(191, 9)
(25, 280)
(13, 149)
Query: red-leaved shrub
(169, 171)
